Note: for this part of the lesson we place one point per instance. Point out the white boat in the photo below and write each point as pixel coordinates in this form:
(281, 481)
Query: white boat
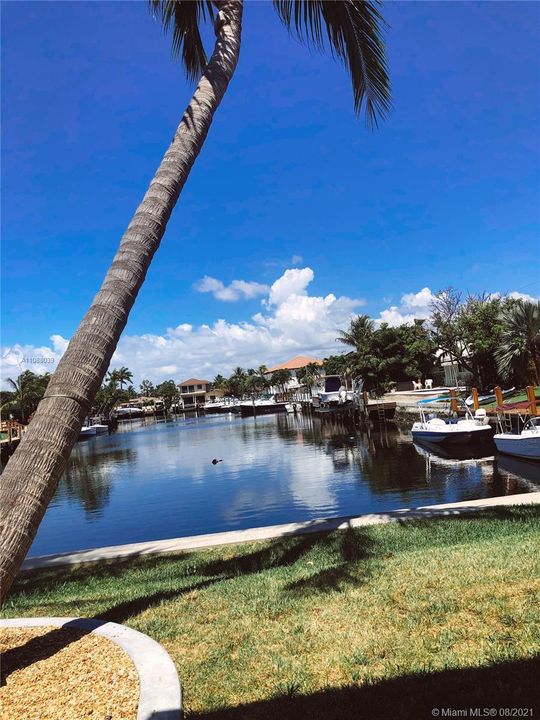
(488, 399)
(224, 405)
(262, 406)
(525, 444)
(293, 407)
(332, 391)
(87, 431)
(433, 429)
(100, 429)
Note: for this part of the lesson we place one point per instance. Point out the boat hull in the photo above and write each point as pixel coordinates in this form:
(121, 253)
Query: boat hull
(251, 410)
(452, 437)
(519, 446)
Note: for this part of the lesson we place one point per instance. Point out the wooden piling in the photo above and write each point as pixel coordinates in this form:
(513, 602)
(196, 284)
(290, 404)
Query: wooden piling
(499, 396)
(532, 399)
(453, 400)
(476, 404)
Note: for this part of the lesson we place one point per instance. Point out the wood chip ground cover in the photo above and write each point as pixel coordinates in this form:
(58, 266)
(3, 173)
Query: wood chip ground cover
(65, 674)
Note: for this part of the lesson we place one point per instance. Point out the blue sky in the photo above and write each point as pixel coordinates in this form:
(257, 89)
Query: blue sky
(446, 192)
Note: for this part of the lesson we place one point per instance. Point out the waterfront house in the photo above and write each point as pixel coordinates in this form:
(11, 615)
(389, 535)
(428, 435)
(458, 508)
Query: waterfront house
(294, 365)
(193, 392)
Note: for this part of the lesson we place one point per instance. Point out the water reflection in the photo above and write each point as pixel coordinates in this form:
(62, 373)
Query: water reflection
(153, 480)
(89, 475)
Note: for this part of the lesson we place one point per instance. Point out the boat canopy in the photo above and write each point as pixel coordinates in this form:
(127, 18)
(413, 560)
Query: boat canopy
(523, 405)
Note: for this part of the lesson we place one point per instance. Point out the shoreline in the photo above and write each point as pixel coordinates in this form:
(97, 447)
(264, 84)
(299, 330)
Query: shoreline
(233, 537)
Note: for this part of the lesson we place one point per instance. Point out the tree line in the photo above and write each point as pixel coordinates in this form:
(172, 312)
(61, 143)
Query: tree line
(492, 340)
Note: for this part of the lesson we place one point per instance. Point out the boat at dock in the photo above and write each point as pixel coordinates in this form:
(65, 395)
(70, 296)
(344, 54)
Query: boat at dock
(433, 429)
(87, 431)
(224, 405)
(262, 406)
(521, 440)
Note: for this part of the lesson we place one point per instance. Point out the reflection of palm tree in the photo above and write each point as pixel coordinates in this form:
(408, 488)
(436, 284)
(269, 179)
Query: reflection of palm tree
(88, 478)
(353, 32)
(519, 350)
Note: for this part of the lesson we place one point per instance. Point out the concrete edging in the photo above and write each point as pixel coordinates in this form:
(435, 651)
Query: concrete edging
(198, 542)
(160, 691)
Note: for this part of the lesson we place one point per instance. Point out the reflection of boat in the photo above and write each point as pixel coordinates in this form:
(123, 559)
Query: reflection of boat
(433, 429)
(262, 406)
(454, 454)
(523, 469)
(488, 399)
(525, 444)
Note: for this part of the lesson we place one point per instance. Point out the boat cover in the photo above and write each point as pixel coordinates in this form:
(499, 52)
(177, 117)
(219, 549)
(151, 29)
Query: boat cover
(523, 405)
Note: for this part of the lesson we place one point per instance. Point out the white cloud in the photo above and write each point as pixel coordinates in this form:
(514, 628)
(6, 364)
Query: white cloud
(237, 290)
(291, 322)
(515, 295)
(414, 306)
(292, 282)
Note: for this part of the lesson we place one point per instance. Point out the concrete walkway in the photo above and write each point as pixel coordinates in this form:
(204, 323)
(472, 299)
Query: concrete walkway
(198, 542)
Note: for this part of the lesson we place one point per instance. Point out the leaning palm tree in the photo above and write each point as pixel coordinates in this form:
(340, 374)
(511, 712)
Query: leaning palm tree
(519, 351)
(352, 31)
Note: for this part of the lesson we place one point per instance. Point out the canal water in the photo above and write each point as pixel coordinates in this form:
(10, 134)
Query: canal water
(152, 480)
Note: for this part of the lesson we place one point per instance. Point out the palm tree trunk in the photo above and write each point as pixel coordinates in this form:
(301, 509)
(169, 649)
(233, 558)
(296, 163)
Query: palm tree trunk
(32, 474)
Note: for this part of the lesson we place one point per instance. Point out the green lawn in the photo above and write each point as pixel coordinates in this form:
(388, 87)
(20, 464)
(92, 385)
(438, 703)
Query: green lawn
(382, 622)
(519, 396)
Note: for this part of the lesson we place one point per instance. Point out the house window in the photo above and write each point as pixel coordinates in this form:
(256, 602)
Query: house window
(199, 387)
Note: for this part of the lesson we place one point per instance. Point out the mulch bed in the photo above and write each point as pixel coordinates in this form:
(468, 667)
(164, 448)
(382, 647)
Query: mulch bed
(65, 674)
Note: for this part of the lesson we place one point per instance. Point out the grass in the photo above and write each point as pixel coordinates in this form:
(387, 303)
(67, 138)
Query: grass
(379, 622)
(519, 396)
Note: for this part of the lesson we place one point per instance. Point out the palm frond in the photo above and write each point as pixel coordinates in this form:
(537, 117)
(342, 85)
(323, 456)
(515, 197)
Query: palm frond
(354, 33)
(184, 18)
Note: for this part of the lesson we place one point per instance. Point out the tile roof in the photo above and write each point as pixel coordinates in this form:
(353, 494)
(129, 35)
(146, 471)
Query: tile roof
(194, 381)
(295, 363)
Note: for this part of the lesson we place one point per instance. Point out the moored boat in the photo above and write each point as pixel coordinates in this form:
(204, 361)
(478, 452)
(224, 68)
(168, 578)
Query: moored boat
(262, 406)
(433, 429)
(87, 431)
(224, 405)
(100, 429)
(524, 444)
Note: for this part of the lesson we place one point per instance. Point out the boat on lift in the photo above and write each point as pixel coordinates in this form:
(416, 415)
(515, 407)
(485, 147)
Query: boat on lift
(333, 392)
(434, 429)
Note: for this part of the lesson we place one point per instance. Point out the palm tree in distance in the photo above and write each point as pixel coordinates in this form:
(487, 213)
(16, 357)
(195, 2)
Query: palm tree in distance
(359, 334)
(519, 350)
(352, 31)
(123, 375)
(146, 388)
